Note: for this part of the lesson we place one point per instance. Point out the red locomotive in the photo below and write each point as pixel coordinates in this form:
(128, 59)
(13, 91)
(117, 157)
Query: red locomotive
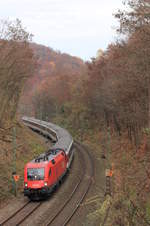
(44, 173)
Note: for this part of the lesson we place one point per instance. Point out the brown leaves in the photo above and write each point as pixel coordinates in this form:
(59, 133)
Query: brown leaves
(16, 64)
(135, 18)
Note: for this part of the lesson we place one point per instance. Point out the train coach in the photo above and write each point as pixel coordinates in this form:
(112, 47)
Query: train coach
(46, 171)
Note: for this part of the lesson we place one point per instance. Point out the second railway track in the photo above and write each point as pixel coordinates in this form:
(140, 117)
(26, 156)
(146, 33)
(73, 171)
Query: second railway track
(64, 214)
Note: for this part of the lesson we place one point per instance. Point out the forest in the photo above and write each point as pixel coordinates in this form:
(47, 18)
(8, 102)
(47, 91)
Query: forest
(104, 102)
(112, 95)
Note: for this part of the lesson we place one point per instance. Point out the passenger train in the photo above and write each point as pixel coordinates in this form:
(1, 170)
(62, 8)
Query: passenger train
(44, 173)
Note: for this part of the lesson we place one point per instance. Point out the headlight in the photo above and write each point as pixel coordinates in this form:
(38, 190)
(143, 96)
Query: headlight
(26, 184)
(45, 183)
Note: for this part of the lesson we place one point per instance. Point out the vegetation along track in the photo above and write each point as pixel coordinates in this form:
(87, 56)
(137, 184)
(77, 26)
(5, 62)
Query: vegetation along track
(21, 214)
(64, 214)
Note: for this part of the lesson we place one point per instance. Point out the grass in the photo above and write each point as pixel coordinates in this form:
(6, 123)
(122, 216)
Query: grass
(28, 145)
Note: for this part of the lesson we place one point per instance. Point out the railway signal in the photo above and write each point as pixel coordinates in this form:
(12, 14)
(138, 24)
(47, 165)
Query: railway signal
(16, 177)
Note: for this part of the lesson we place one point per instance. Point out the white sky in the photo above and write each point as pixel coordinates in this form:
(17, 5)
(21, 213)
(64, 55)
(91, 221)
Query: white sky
(77, 27)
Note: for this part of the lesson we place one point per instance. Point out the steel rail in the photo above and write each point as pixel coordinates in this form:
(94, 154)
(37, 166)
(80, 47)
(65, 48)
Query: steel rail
(25, 215)
(80, 199)
(11, 216)
(66, 202)
(83, 195)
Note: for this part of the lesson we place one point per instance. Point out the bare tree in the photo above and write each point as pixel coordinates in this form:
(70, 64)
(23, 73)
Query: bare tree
(16, 65)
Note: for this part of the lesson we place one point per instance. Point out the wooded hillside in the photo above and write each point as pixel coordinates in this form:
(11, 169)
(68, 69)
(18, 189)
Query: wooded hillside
(109, 104)
(51, 66)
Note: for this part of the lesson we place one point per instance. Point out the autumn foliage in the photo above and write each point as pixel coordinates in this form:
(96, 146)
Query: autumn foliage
(55, 71)
(110, 92)
(16, 65)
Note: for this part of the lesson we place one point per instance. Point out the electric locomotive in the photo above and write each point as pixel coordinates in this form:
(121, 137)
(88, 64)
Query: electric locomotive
(44, 173)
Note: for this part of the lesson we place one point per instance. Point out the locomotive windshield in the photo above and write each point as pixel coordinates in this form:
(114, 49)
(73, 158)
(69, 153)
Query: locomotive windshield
(35, 174)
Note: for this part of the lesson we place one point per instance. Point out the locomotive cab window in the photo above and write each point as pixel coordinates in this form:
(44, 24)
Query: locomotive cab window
(50, 172)
(35, 174)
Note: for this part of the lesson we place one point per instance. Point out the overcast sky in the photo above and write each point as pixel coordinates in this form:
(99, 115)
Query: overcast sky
(77, 27)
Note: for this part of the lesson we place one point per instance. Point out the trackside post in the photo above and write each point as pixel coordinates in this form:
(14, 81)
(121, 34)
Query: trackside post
(109, 171)
(14, 163)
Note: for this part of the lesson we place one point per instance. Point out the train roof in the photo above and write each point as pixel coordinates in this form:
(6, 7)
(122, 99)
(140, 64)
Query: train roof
(37, 165)
(44, 158)
(64, 139)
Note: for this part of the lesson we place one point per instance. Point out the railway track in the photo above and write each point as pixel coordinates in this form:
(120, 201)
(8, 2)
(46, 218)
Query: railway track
(21, 214)
(63, 215)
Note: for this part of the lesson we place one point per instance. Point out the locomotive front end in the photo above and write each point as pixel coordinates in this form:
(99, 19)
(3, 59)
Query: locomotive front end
(35, 181)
